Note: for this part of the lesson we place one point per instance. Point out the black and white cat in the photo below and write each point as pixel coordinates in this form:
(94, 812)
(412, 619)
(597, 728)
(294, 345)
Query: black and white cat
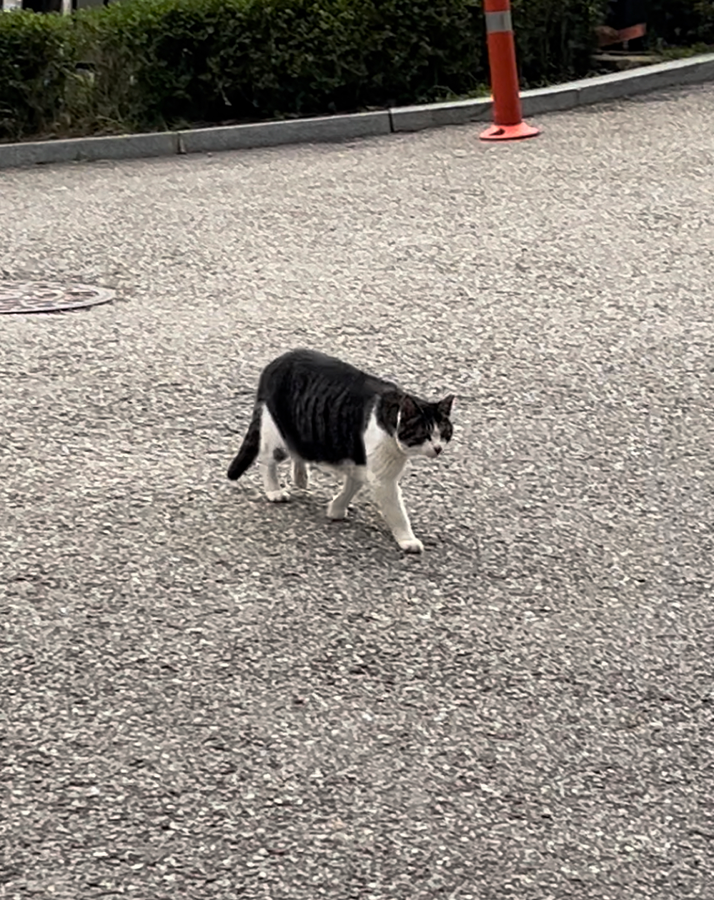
(317, 409)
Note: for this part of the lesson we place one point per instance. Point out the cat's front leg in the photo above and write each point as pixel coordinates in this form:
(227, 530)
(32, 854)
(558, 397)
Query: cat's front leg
(389, 499)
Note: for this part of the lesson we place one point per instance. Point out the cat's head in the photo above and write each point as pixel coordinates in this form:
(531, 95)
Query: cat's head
(424, 429)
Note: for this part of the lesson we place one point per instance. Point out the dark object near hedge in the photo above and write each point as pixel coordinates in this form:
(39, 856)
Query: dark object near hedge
(680, 22)
(42, 6)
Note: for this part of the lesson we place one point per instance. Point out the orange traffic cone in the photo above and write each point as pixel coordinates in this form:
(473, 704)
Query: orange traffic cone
(507, 122)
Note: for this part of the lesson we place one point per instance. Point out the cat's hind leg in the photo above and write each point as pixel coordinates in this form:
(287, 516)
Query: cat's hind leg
(272, 452)
(271, 483)
(301, 479)
(338, 507)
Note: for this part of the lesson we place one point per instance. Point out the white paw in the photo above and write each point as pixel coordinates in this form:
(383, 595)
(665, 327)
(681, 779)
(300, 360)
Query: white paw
(336, 512)
(280, 496)
(412, 545)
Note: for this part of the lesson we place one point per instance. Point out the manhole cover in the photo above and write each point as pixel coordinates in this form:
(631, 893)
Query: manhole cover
(48, 296)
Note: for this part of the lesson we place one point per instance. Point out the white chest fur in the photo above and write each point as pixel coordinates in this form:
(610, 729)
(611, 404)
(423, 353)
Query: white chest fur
(384, 459)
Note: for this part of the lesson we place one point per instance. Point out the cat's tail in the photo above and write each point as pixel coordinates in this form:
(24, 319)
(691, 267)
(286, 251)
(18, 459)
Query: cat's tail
(248, 449)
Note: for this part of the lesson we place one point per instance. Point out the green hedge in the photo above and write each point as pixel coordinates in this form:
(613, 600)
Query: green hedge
(36, 59)
(166, 63)
(253, 59)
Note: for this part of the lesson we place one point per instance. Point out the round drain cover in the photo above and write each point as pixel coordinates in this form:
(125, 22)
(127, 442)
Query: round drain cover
(48, 296)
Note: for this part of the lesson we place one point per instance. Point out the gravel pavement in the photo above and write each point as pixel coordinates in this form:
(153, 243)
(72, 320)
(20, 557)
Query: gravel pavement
(206, 697)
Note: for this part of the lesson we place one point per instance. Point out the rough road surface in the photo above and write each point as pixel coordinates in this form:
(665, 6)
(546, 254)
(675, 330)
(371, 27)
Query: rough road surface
(205, 697)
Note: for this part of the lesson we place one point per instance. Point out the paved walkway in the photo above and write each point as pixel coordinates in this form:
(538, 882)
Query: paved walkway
(205, 697)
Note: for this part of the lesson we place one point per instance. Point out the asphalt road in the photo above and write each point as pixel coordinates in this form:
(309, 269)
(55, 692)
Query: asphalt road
(206, 697)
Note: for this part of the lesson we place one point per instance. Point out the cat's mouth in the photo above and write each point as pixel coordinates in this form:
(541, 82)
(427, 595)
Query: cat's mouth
(430, 450)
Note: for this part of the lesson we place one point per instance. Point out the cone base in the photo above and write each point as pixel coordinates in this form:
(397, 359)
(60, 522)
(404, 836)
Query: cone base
(509, 132)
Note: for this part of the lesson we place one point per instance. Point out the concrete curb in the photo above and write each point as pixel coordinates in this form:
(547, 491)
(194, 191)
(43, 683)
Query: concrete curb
(292, 131)
(614, 86)
(435, 115)
(124, 146)
(346, 127)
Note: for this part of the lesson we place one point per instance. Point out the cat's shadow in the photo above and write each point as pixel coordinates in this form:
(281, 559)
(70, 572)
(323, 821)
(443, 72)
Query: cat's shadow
(302, 521)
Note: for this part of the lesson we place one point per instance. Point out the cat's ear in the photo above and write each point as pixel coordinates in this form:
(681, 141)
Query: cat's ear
(408, 408)
(444, 406)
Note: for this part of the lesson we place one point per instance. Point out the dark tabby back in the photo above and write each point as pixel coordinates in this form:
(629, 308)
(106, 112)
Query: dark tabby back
(322, 405)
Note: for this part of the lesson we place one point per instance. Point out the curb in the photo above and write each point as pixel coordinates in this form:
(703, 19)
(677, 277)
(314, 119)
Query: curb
(614, 86)
(292, 131)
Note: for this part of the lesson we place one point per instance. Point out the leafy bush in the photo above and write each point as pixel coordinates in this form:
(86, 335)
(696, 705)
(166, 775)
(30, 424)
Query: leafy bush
(36, 58)
(253, 59)
(210, 60)
(166, 63)
(554, 40)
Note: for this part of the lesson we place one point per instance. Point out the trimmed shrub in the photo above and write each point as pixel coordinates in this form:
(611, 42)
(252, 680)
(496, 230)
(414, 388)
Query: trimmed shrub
(163, 62)
(554, 41)
(168, 63)
(210, 60)
(36, 57)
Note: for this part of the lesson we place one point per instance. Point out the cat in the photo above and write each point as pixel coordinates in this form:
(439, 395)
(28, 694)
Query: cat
(314, 408)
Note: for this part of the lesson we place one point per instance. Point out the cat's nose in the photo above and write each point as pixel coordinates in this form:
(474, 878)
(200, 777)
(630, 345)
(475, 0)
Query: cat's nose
(437, 449)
